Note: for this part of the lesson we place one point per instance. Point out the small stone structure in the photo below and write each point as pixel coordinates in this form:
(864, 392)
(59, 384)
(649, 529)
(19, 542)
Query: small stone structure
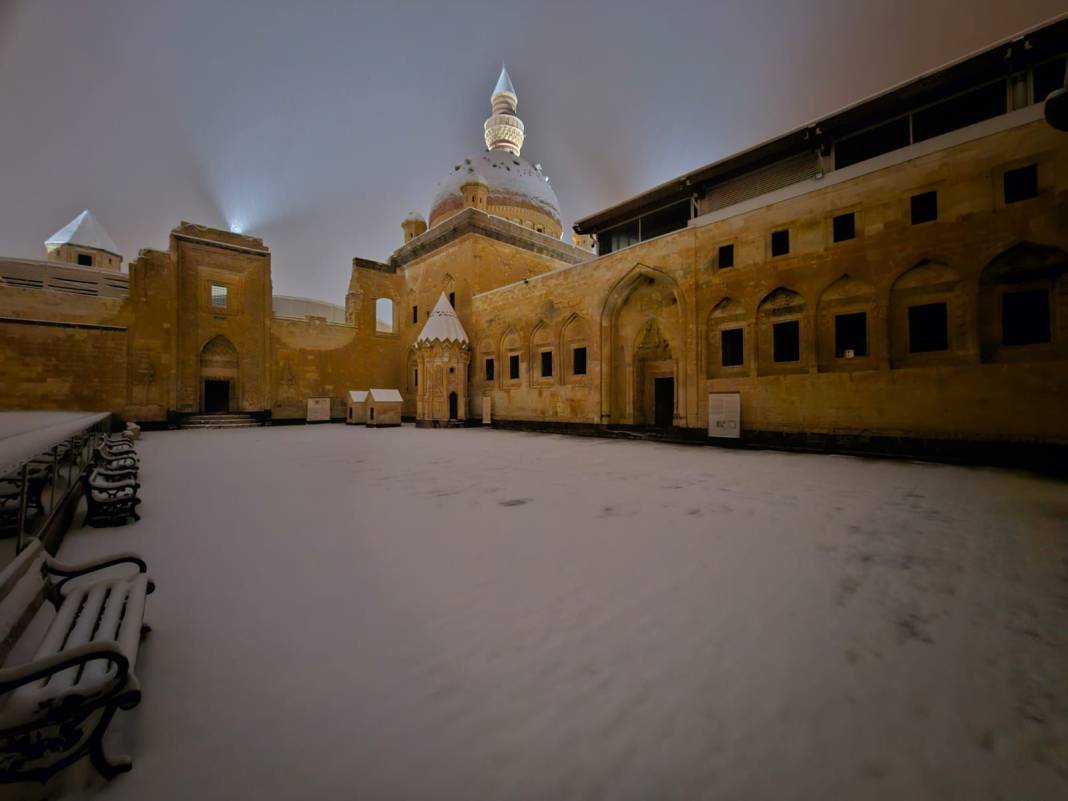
(356, 404)
(442, 354)
(384, 407)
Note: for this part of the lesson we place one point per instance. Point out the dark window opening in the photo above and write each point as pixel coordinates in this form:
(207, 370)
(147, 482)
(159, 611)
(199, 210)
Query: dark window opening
(513, 366)
(452, 300)
(786, 340)
(928, 328)
(546, 364)
(924, 207)
(844, 227)
(1025, 317)
(726, 256)
(780, 242)
(1048, 77)
(489, 369)
(851, 335)
(871, 143)
(415, 377)
(666, 220)
(578, 361)
(730, 346)
(959, 112)
(622, 236)
(85, 260)
(452, 369)
(1021, 183)
(415, 314)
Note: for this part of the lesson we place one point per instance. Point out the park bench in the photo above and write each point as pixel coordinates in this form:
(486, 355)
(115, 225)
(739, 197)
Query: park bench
(111, 499)
(37, 478)
(55, 707)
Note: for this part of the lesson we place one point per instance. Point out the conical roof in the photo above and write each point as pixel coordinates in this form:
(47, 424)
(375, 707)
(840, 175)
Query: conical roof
(442, 325)
(84, 231)
(504, 83)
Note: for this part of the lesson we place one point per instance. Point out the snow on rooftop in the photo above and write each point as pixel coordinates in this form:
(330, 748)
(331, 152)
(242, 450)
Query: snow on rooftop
(379, 395)
(358, 395)
(85, 231)
(512, 180)
(442, 325)
(458, 614)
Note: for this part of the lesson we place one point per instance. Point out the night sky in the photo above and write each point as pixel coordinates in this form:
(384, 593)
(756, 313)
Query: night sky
(319, 125)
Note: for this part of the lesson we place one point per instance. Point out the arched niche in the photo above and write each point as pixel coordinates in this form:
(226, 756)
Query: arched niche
(845, 325)
(725, 339)
(927, 315)
(783, 333)
(574, 351)
(219, 364)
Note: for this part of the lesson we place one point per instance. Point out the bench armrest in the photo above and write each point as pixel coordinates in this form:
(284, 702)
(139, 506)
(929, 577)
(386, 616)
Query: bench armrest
(15, 677)
(71, 571)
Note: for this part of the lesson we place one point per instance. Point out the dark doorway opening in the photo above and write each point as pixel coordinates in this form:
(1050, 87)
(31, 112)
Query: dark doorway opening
(663, 402)
(454, 406)
(216, 396)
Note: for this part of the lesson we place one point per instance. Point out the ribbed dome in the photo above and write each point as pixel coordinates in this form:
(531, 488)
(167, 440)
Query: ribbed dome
(513, 182)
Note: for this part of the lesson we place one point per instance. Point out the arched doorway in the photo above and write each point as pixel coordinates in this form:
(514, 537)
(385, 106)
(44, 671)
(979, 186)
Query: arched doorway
(218, 376)
(643, 343)
(454, 406)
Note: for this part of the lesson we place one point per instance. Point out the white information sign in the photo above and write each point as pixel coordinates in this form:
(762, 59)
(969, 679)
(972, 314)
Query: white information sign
(487, 410)
(724, 414)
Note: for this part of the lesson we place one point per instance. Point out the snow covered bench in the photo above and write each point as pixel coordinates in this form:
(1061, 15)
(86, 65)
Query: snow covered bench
(37, 479)
(55, 708)
(110, 500)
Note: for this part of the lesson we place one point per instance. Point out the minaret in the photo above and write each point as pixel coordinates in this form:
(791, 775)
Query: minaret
(504, 130)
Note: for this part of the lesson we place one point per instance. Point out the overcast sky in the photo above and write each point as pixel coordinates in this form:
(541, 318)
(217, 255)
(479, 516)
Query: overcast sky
(319, 125)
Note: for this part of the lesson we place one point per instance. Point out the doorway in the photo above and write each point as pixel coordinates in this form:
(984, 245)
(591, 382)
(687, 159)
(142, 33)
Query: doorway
(664, 402)
(454, 406)
(216, 396)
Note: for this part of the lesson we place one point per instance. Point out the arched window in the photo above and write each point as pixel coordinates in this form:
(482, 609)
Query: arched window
(487, 369)
(1022, 293)
(384, 316)
(782, 331)
(926, 316)
(844, 332)
(542, 355)
(511, 358)
(726, 339)
(575, 349)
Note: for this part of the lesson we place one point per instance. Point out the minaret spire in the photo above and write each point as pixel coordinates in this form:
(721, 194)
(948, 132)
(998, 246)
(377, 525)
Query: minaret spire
(504, 130)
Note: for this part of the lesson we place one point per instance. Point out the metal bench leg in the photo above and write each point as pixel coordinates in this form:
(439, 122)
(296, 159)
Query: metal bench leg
(108, 768)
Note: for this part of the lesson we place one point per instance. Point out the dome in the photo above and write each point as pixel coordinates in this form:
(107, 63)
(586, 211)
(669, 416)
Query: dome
(414, 216)
(517, 189)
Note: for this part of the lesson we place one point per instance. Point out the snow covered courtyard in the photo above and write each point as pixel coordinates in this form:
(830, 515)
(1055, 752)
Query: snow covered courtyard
(345, 613)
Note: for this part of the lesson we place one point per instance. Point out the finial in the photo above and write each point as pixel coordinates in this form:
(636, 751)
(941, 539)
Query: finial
(504, 130)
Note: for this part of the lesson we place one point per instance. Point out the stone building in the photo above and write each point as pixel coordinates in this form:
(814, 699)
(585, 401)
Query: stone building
(895, 270)
(442, 356)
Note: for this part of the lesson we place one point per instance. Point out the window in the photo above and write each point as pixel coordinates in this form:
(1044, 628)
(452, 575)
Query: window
(957, 112)
(928, 328)
(578, 361)
(665, 220)
(513, 366)
(924, 207)
(1025, 317)
(622, 236)
(871, 143)
(786, 340)
(415, 314)
(844, 227)
(726, 257)
(1021, 183)
(415, 377)
(384, 316)
(489, 368)
(780, 242)
(219, 296)
(1048, 77)
(452, 300)
(546, 364)
(85, 260)
(851, 335)
(731, 341)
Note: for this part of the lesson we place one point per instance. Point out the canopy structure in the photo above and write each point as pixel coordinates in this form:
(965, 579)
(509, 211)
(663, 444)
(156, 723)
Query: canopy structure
(24, 435)
(85, 231)
(442, 325)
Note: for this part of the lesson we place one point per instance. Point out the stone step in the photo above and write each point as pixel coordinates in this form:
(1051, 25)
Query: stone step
(233, 420)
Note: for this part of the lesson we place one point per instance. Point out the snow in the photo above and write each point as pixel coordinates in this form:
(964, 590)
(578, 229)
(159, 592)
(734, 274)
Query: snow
(512, 180)
(345, 612)
(442, 325)
(84, 230)
(381, 395)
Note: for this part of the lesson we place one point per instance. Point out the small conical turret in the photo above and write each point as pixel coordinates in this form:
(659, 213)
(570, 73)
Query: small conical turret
(504, 130)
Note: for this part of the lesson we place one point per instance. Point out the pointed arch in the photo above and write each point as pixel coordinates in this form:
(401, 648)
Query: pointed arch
(574, 349)
(844, 325)
(1022, 298)
(626, 394)
(725, 339)
(511, 357)
(926, 313)
(542, 355)
(783, 330)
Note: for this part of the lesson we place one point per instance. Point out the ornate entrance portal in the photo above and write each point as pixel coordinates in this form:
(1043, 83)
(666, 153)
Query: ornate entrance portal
(218, 376)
